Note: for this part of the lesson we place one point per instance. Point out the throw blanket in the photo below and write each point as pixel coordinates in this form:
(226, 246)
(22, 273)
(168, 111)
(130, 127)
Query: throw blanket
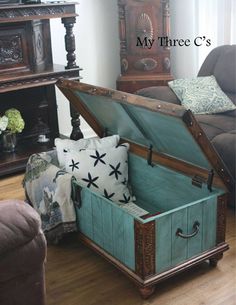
(50, 191)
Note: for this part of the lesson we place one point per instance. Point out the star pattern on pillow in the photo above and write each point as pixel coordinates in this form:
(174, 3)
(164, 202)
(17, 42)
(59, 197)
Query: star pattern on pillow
(125, 182)
(115, 170)
(98, 158)
(125, 200)
(91, 181)
(74, 165)
(102, 170)
(106, 195)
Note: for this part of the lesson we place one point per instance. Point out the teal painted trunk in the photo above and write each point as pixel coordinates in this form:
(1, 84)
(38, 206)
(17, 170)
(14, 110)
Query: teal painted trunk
(108, 225)
(183, 193)
(157, 189)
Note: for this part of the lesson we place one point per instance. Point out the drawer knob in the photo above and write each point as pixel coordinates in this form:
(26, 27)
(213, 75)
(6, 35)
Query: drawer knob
(196, 226)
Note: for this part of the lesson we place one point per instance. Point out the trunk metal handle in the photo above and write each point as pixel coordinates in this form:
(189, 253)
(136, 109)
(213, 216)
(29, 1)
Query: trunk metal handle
(196, 226)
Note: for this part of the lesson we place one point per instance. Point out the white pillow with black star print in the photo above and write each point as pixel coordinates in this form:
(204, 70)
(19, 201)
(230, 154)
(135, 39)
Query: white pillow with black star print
(104, 170)
(63, 145)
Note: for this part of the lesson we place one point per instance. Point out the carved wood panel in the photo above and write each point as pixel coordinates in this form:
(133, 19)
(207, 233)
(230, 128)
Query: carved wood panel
(221, 218)
(10, 49)
(144, 248)
(13, 48)
(143, 21)
(25, 46)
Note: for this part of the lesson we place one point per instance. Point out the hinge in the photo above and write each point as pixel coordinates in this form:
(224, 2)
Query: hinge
(198, 180)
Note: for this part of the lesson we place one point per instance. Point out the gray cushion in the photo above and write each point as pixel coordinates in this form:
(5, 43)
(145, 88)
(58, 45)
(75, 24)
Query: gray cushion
(225, 144)
(163, 93)
(221, 63)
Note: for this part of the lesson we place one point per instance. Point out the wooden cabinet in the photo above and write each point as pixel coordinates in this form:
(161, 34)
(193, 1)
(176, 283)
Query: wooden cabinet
(28, 74)
(144, 62)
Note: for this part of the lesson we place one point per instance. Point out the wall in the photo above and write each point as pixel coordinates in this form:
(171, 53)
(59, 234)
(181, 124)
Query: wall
(97, 51)
(183, 25)
(215, 19)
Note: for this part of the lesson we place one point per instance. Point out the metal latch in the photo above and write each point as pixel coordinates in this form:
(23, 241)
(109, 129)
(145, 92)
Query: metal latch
(149, 156)
(198, 180)
(210, 180)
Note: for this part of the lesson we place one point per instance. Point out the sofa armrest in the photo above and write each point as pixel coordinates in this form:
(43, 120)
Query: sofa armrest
(163, 93)
(19, 224)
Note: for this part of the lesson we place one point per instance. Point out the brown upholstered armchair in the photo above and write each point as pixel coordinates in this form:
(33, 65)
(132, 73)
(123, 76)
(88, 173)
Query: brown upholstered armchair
(220, 128)
(22, 255)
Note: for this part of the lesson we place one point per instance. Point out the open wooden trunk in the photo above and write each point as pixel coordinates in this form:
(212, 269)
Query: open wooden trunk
(175, 175)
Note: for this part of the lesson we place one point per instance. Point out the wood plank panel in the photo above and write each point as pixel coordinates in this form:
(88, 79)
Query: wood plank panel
(163, 243)
(107, 228)
(96, 205)
(209, 223)
(118, 233)
(194, 243)
(85, 215)
(129, 248)
(179, 245)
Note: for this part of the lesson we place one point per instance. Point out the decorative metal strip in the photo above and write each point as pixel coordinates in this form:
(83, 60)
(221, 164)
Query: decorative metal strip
(221, 218)
(144, 248)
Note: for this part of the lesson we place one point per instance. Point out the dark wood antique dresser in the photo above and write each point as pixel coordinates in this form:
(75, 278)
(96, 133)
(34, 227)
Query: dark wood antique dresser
(28, 74)
(144, 61)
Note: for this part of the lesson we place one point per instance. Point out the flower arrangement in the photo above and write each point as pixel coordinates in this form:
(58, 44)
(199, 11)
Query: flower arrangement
(3, 123)
(12, 121)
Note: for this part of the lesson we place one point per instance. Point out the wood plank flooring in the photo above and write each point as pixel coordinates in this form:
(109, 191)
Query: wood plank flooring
(77, 276)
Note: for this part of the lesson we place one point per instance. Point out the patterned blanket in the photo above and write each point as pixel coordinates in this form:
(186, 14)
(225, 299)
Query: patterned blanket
(50, 191)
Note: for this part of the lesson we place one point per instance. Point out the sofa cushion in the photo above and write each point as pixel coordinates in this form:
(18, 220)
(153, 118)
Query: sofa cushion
(220, 62)
(225, 144)
(216, 124)
(19, 224)
(232, 96)
(225, 71)
(163, 93)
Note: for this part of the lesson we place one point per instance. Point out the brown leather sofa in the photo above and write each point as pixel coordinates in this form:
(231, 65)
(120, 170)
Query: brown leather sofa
(22, 255)
(220, 128)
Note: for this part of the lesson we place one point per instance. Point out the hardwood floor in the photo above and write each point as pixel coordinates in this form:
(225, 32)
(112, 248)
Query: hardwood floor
(77, 276)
